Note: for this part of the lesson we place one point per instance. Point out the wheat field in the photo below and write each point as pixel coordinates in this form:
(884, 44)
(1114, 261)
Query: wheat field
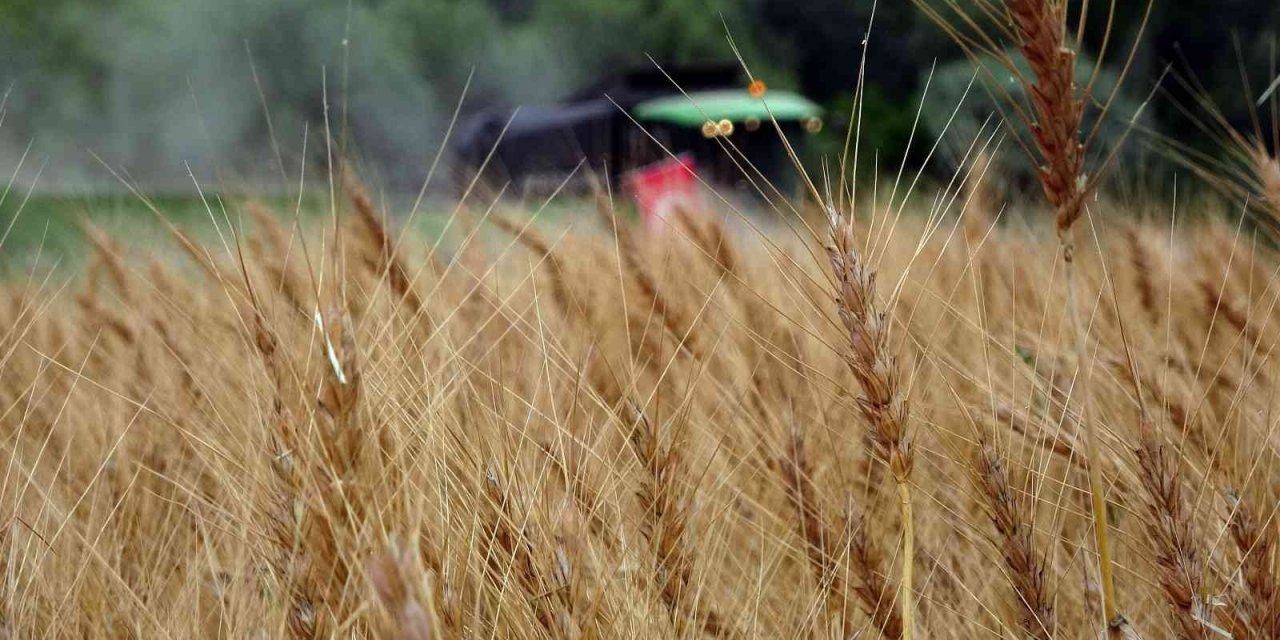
(597, 431)
(899, 411)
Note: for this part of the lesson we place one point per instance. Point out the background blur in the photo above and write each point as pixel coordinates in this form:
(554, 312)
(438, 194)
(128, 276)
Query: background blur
(157, 86)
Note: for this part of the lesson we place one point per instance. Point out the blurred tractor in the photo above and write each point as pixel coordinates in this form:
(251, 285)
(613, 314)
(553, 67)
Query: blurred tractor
(708, 113)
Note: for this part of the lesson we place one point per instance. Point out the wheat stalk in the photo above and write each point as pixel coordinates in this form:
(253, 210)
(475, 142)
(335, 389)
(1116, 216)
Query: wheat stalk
(1055, 128)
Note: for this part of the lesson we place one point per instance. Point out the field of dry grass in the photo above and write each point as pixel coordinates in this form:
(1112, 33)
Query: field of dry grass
(603, 432)
(892, 413)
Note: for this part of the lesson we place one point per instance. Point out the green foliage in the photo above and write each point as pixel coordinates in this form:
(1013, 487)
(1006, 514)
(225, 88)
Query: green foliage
(154, 84)
(883, 136)
(966, 100)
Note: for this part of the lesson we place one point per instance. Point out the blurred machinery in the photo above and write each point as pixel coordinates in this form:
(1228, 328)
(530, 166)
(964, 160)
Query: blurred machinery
(707, 113)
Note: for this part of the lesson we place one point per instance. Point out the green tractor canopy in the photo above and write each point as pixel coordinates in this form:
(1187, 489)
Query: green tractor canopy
(736, 106)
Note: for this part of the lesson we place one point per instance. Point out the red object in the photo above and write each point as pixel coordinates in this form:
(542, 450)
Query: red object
(660, 187)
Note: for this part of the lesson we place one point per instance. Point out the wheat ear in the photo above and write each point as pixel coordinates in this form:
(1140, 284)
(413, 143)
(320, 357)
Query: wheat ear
(551, 605)
(822, 551)
(534, 241)
(395, 578)
(1140, 260)
(666, 520)
(671, 315)
(874, 588)
(883, 403)
(109, 252)
(1218, 303)
(387, 260)
(285, 509)
(275, 243)
(1056, 131)
(1172, 533)
(1257, 607)
(1011, 515)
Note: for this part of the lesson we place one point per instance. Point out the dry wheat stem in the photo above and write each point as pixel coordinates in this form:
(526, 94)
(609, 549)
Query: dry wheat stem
(1093, 453)
(1040, 25)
